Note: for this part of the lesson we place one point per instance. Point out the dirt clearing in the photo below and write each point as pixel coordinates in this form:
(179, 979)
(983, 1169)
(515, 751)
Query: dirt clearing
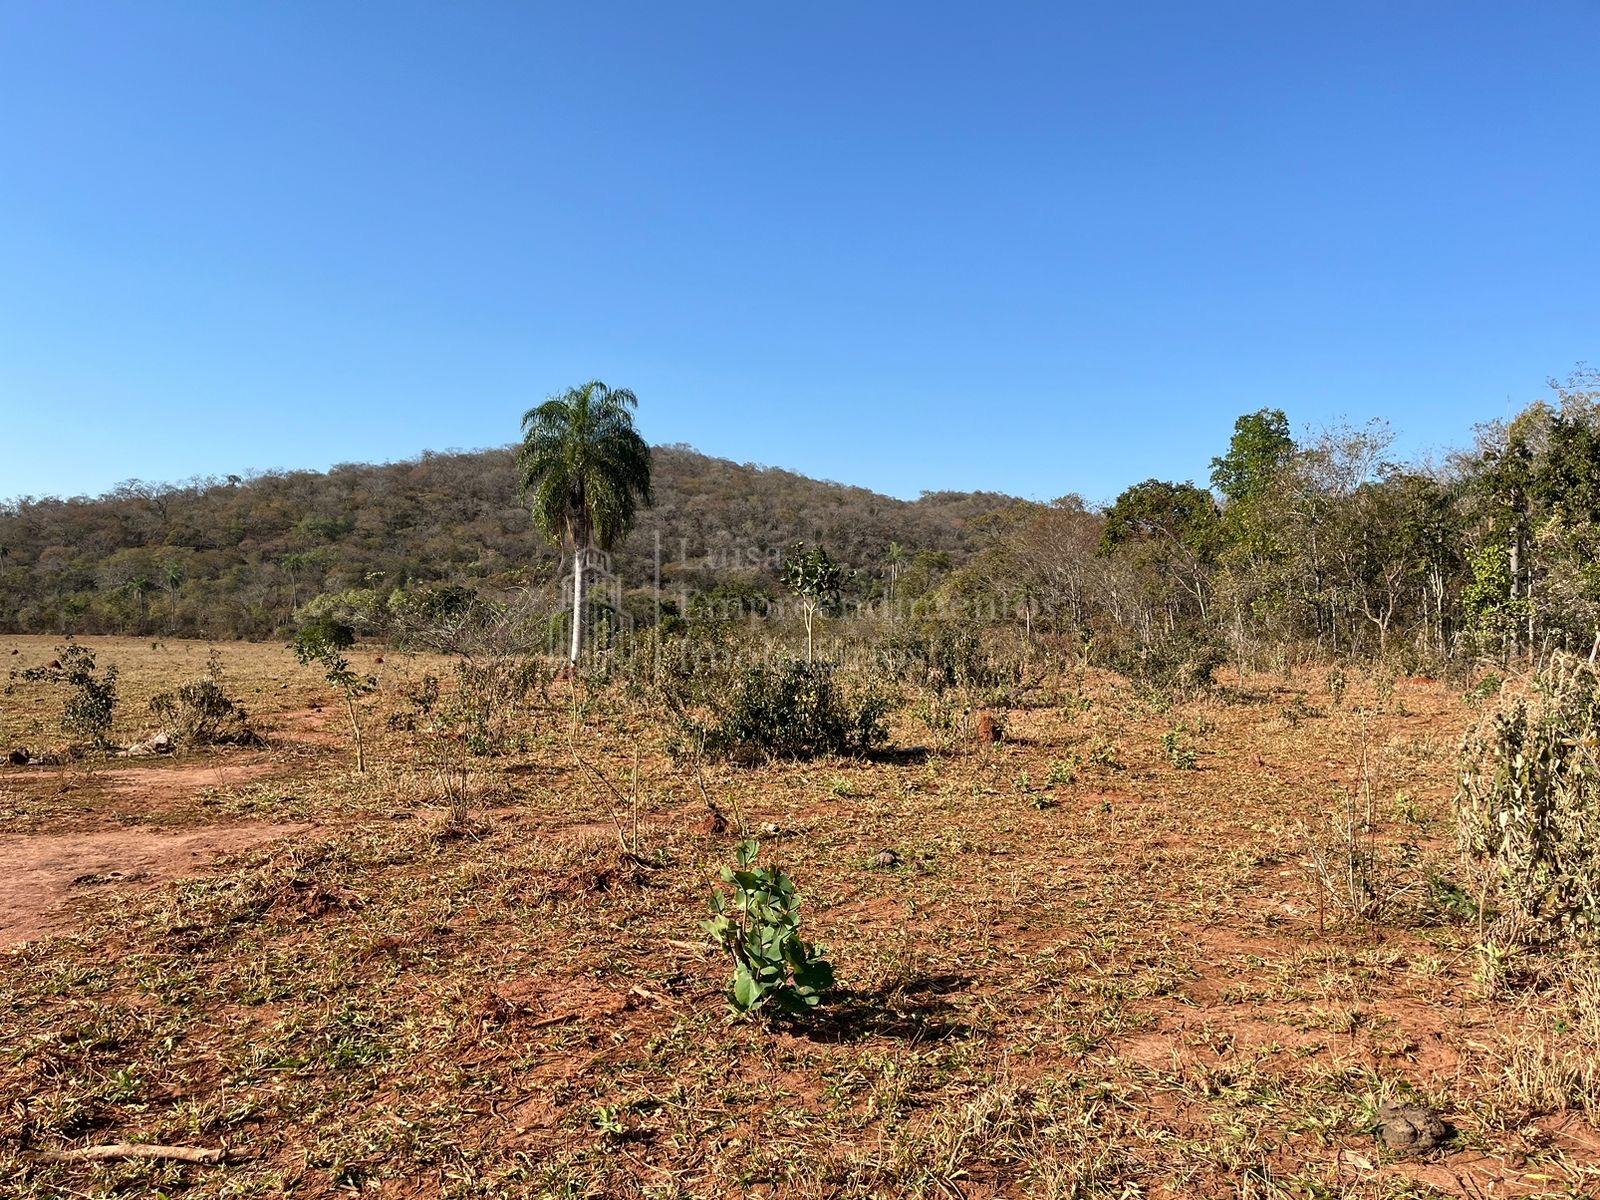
(40, 875)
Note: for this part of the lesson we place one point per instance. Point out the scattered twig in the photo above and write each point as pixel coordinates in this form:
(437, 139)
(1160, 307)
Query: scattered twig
(555, 1020)
(697, 947)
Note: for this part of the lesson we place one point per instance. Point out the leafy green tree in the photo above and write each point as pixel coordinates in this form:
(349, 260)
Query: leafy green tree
(171, 572)
(586, 472)
(812, 575)
(1535, 491)
(323, 643)
(1261, 447)
(1170, 528)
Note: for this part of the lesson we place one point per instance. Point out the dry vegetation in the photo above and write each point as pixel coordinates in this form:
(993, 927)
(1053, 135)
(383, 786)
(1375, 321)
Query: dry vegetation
(1101, 958)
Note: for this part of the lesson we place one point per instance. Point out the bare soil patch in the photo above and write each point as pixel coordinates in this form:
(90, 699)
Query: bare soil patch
(177, 780)
(313, 726)
(40, 875)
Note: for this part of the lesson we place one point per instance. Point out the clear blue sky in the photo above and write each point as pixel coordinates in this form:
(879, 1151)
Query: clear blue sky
(1039, 248)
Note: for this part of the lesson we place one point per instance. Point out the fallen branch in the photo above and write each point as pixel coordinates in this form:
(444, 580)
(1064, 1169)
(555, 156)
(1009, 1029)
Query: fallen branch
(188, 1154)
(556, 1020)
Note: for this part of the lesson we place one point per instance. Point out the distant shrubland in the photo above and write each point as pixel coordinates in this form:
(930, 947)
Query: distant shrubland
(1302, 548)
(237, 557)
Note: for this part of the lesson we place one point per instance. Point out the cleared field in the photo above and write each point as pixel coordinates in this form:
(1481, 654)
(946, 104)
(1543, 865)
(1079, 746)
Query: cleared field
(1094, 963)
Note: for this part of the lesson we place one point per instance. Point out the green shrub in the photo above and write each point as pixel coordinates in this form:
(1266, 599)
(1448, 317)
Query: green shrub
(1528, 807)
(361, 610)
(1179, 753)
(757, 923)
(421, 699)
(91, 701)
(1104, 753)
(1063, 773)
(1337, 683)
(795, 711)
(1484, 690)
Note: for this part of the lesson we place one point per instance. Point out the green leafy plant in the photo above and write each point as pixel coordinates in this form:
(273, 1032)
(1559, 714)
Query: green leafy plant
(322, 643)
(608, 1119)
(421, 699)
(1104, 753)
(1484, 690)
(1063, 773)
(1179, 753)
(91, 694)
(756, 921)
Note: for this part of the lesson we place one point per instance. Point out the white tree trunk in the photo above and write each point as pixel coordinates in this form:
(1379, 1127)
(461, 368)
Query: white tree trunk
(577, 602)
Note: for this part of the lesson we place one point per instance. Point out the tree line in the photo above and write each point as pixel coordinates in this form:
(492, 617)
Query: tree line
(1324, 545)
(1314, 545)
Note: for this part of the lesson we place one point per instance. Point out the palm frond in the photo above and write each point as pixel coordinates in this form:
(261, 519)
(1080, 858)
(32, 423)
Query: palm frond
(583, 466)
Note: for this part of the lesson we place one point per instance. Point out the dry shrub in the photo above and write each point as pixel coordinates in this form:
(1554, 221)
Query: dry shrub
(1179, 664)
(455, 790)
(1357, 873)
(586, 863)
(494, 694)
(1528, 808)
(201, 713)
(794, 711)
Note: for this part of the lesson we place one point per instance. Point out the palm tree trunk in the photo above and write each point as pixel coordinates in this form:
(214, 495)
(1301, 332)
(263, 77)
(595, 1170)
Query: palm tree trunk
(577, 602)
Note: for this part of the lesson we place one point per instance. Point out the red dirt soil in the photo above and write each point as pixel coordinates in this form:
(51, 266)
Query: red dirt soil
(40, 874)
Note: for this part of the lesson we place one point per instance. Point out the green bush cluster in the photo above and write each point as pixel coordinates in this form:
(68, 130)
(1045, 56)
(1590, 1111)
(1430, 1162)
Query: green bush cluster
(201, 713)
(794, 711)
(91, 694)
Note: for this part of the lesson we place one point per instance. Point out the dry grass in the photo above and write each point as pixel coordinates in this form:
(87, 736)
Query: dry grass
(1102, 981)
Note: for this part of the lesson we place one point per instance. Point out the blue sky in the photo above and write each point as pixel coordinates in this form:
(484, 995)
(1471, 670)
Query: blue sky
(1037, 248)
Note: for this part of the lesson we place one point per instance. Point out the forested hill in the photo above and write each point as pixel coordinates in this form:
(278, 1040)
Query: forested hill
(235, 557)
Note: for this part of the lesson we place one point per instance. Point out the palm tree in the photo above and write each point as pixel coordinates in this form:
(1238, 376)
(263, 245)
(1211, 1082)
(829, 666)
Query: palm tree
(585, 470)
